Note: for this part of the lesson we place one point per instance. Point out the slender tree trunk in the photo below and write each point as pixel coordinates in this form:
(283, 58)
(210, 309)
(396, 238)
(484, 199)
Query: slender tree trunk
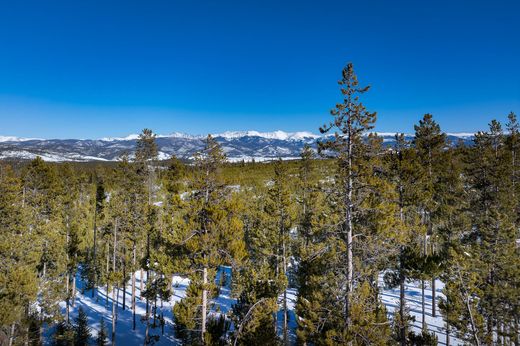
(67, 298)
(402, 327)
(423, 284)
(434, 313)
(470, 312)
(350, 267)
(133, 285)
(114, 299)
(155, 311)
(67, 276)
(434, 303)
(141, 282)
(285, 322)
(124, 281)
(204, 302)
(107, 268)
(94, 252)
(114, 250)
(517, 331)
(146, 340)
(74, 287)
(447, 321)
(11, 334)
(113, 316)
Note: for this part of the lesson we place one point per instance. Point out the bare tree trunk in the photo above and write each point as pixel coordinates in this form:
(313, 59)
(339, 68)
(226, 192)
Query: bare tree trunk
(94, 252)
(434, 303)
(141, 284)
(349, 206)
(67, 298)
(402, 327)
(67, 276)
(113, 316)
(74, 287)
(11, 334)
(447, 322)
(204, 302)
(114, 301)
(107, 268)
(434, 314)
(155, 311)
(147, 279)
(423, 284)
(468, 307)
(133, 285)
(114, 249)
(124, 281)
(285, 322)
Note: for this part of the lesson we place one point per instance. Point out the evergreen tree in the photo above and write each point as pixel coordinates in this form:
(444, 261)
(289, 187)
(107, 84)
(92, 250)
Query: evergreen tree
(81, 329)
(42, 199)
(145, 157)
(403, 173)
(102, 336)
(280, 215)
(429, 142)
(494, 234)
(18, 276)
(64, 335)
(208, 235)
(99, 203)
(314, 254)
(354, 200)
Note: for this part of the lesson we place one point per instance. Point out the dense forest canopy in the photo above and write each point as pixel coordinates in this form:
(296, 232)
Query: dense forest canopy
(336, 226)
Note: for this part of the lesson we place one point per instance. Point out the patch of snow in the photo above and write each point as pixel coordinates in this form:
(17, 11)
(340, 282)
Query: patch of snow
(17, 139)
(280, 135)
(463, 135)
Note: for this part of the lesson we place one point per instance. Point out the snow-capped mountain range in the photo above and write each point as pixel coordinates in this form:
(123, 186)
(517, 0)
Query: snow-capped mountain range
(238, 145)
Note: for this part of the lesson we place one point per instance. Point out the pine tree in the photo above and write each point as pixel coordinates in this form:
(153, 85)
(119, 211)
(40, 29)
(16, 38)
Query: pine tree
(429, 142)
(494, 232)
(351, 121)
(102, 336)
(18, 280)
(145, 157)
(81, 329)
(42, 199)
(403, 173)
(208, 235)
(313, 254)
(64, 335)
(280, 218)
(99, 203)
(256, 307)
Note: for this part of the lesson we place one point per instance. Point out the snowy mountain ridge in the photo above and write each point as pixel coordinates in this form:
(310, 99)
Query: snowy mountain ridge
(238, 145)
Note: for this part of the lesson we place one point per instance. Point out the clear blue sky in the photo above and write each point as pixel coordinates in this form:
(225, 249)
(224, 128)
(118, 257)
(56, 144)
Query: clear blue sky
(88, 69)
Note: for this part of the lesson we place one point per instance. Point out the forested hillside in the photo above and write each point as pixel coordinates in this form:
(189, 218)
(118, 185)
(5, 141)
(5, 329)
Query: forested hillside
(272, 253)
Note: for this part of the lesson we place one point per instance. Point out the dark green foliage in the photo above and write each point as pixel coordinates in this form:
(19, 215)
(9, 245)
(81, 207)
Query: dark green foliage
(423, 339)
(218, 328)
(64, 334)
(102, 336)
(81, 329)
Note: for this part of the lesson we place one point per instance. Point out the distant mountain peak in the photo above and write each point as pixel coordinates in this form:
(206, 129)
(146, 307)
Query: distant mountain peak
(238, 145)
(278, 134)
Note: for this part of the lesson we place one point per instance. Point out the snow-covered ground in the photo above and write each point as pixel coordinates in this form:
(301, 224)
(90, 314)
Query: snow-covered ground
(100, 307)
(413, 296)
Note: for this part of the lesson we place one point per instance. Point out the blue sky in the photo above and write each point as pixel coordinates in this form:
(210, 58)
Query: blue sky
(89, 69)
